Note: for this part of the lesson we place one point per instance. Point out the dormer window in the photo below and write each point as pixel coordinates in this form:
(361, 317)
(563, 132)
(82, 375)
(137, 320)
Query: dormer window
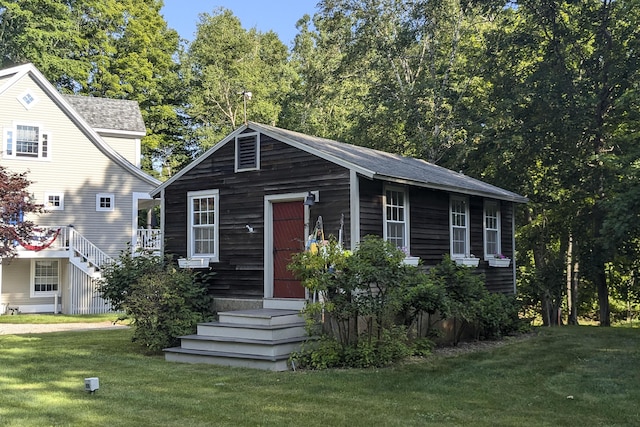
(247, 152)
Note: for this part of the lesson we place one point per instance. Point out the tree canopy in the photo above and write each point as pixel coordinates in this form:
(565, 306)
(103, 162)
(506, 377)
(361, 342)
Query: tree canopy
(15, 203)
(537, 96)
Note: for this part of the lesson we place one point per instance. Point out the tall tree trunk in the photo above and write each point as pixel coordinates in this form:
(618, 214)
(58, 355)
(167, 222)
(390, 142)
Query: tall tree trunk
(572, 285)
(603, 295)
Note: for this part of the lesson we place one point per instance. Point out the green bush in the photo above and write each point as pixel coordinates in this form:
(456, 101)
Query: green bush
(369, 351)
(464, 291)
(165, 305)
(162, 302)
(499, 316)
(119, 276)
(366, 302)
(368, 306)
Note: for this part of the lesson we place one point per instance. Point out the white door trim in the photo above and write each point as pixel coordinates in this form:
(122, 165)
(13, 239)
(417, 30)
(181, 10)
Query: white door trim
(268, 232)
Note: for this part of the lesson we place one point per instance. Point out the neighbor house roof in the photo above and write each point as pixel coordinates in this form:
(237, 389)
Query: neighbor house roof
(109, 114)
(371, 163)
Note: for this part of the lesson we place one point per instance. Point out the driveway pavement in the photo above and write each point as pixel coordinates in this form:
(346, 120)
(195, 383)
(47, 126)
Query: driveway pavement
(28, 328)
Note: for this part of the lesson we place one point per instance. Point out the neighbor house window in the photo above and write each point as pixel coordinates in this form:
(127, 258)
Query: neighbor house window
(396, 222)
(105, 202)
(45, 278)
(8, 143)
(28, 99)
(26, 141)
(247, 152)
(202, 240)
(54, 201)
(459, 208)
(491, 229)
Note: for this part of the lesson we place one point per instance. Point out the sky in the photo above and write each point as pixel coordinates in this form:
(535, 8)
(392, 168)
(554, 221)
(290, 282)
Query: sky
(277, 15)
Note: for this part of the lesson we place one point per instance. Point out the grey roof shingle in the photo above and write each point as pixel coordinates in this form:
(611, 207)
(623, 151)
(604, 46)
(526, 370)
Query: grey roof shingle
(368, 162)
(105, 113)
(393, 167)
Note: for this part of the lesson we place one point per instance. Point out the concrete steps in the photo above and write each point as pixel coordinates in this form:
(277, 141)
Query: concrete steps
(260, 339)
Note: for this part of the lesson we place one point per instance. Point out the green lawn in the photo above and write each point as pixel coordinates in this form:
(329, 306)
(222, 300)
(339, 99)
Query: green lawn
(569, 376)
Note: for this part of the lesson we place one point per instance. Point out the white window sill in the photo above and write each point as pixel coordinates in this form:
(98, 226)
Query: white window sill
(200, 262)
(467, 262)
(411, 260)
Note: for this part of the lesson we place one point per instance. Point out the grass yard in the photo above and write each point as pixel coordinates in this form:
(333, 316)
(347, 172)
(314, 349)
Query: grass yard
(568, 376)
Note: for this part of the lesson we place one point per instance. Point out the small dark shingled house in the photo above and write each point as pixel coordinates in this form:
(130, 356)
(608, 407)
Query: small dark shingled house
(240, 210)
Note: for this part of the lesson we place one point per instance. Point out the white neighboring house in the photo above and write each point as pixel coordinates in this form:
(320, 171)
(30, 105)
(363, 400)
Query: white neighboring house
(83, 158)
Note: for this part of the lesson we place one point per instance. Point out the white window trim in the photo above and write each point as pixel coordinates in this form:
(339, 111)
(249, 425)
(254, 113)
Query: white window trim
(14, 147)
(26, 105)
(105, 195)
(42, 294)
(46, 201)
(495, 204)
(214, 257)
(467, 249)
(244, 135)
(5, 138)
(407, 236)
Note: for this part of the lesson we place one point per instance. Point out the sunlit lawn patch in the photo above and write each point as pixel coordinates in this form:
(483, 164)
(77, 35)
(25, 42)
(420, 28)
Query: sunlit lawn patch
(570, 376)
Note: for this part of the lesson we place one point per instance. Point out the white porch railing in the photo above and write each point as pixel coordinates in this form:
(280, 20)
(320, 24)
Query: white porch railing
(82, 247)
(148, 240)
(67, 238)
(86, 261)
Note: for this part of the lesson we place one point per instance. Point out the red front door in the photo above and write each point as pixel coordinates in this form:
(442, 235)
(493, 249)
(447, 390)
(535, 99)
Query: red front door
(288, 239)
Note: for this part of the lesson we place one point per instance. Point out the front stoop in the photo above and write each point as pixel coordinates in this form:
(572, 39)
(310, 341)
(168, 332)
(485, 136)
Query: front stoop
(260, 339)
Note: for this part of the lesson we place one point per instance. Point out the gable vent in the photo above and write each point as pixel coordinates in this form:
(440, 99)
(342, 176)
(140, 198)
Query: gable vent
(247, 152)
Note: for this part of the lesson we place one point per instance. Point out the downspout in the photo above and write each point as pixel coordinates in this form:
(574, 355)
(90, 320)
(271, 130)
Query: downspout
(354, 207)
(513, 244)
(162, 209)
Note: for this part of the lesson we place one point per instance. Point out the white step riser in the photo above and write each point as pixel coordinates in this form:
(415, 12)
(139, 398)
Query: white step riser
(250, 333)
(227, 361)
(284, 303)
(261, 321)
(238, 347)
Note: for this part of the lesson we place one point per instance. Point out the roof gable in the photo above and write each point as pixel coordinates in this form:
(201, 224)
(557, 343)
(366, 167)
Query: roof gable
(10, 76)
(370, 163)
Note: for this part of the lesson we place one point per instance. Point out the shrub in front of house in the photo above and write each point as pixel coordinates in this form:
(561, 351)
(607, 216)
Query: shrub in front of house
(364, 304)
(369, 309)
(161, 301)
(499, 316)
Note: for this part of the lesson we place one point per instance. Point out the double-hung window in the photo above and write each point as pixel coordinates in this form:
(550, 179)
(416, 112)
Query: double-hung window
(45, 278)
(396, 221)
(459, 211)
(491, 229)
(203, 212)
(26, 142)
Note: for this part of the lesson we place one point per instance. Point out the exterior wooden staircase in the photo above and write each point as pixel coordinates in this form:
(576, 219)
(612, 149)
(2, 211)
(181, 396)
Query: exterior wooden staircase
(260, 339)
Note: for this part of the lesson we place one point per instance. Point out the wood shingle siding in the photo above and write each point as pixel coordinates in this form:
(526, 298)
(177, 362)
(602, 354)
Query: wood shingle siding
(283, 169)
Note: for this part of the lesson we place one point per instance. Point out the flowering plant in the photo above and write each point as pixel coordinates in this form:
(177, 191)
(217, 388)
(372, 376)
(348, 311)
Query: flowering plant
(500, 256)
